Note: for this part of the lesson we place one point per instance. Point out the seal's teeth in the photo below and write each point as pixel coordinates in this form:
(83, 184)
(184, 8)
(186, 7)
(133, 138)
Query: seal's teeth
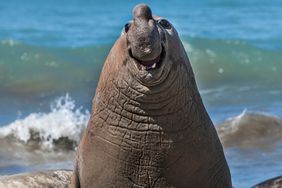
(154, 65)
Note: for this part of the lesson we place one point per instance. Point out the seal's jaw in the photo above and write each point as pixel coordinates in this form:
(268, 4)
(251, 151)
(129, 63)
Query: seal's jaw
(147, 65)
(143, 37)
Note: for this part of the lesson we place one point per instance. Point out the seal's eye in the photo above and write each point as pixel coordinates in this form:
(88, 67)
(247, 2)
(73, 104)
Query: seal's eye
(164, 23)
(126, 27)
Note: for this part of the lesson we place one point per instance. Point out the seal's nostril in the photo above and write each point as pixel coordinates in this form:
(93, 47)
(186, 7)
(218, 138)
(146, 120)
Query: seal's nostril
(142, 11)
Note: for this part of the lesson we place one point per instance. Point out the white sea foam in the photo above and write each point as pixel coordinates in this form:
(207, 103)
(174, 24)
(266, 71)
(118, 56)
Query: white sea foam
(251, 129)
(64, 120)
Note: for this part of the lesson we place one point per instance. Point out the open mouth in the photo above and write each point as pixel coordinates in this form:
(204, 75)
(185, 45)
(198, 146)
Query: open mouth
(151, 64)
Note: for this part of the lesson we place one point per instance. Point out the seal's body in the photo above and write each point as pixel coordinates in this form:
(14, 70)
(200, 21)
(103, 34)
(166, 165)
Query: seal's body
(148, 126)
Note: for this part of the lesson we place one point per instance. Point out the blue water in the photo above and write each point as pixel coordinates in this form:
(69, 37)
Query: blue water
(80, 23)
(50, 48)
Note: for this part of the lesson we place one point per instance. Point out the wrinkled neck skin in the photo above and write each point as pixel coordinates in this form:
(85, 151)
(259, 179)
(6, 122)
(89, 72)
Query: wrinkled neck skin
(148, 126)
(142, 96)
(147, 123)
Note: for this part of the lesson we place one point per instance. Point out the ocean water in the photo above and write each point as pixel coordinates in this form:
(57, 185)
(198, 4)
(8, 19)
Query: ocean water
(52, 52)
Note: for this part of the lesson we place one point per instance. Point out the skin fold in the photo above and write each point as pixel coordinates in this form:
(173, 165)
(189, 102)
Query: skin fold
(148, 126)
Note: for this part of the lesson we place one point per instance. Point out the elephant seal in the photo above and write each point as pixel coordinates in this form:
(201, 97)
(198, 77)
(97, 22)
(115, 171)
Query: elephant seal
(148, 126)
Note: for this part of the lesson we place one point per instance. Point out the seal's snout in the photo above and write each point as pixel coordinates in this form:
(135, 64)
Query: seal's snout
(144, 39)
(142, 11)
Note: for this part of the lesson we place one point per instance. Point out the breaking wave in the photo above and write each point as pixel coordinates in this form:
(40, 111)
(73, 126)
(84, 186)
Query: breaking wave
(251, 129)
(59, 128)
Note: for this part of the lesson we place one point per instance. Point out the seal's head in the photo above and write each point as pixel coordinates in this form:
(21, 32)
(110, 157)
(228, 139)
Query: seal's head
(152, 45)
(144, 38)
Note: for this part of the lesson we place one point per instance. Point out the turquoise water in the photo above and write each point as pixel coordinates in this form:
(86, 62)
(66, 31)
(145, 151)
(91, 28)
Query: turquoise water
(51, 48)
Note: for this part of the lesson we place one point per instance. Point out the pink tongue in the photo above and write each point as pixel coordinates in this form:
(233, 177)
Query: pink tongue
(150, 62)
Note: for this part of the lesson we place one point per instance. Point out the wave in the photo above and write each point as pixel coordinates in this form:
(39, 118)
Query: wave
(28, 70)
(61, 128)
(251, 130)
(232, 62)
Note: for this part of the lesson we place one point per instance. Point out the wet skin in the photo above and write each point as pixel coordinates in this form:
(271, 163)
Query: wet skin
(148, 126)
